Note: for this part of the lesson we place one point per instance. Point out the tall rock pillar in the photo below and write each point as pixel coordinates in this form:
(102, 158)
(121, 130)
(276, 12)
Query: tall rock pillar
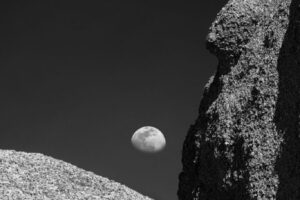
(245, 143)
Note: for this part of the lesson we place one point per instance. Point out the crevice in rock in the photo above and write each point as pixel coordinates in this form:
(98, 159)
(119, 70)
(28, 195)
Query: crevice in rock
(288, 111)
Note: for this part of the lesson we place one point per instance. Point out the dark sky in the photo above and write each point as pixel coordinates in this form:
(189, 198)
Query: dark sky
(77, 78)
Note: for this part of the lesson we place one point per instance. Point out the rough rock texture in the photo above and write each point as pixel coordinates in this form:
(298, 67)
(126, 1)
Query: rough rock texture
(245, 143)
(33, 176)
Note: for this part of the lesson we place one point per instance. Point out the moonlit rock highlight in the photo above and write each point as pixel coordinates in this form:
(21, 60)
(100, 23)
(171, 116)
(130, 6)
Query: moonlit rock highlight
(148, 139)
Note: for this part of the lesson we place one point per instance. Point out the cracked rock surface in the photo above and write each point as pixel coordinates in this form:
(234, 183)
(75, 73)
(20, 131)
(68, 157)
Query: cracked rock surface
(245, 143)
(34, 176)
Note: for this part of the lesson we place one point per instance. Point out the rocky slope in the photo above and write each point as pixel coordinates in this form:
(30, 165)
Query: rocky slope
(33, 176)
(245, 142)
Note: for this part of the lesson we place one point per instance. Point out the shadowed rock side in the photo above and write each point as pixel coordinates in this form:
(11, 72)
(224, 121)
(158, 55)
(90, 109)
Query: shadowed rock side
(33, 176)
(244, 144)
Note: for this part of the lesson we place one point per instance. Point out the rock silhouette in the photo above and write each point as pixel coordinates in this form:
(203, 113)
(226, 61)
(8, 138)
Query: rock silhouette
(244, 144)
(33, 176)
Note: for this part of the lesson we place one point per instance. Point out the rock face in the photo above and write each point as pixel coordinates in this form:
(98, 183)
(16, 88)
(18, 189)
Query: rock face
(32, 176)
(245, 143)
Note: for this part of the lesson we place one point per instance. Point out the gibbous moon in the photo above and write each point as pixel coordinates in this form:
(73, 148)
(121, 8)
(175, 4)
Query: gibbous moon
(148, 139)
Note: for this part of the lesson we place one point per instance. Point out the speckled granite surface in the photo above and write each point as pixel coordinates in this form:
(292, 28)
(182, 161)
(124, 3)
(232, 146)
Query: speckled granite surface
(34, 176)
(245, 142)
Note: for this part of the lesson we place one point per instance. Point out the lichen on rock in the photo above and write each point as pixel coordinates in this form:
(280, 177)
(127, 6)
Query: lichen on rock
(244, 143)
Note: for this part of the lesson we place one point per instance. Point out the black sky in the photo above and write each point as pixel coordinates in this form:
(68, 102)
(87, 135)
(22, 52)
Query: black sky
(77, 78)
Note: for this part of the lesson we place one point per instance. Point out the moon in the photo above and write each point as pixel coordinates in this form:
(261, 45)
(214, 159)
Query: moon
(148, 139)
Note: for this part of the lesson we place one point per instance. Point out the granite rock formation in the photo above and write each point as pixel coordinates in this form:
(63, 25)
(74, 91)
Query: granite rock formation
(245, 143)
(33, 176)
